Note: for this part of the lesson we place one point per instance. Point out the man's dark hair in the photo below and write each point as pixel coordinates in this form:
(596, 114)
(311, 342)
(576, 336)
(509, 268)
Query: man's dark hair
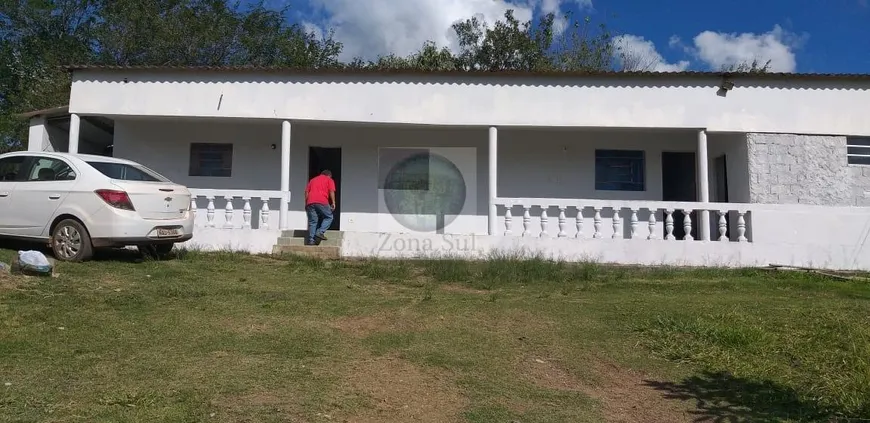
(326, 172)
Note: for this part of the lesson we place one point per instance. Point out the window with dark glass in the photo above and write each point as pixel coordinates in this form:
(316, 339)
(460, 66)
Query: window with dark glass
(211, 159)
(49, 169)
(10, 167)
(619, 170)
(858, 150)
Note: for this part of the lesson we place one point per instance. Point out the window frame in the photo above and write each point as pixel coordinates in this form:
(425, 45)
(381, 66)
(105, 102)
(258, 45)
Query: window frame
(30, 163)
(195, 167)
(640, 185)
(862, 151)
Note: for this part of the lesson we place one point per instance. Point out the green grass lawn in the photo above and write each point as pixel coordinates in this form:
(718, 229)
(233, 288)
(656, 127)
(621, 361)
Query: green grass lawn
(231, 338)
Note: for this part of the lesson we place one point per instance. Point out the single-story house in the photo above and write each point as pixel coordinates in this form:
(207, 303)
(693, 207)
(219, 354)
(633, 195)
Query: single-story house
(683, 168)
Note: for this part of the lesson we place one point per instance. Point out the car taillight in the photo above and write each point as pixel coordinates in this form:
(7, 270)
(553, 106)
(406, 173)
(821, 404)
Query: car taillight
(117, 199)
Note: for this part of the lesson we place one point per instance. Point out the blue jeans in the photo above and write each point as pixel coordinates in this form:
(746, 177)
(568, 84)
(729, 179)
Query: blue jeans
(316, 212)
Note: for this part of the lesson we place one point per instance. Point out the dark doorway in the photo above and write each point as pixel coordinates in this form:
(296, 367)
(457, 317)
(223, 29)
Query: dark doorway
(679, 184)
(320, 159)
(720, 168)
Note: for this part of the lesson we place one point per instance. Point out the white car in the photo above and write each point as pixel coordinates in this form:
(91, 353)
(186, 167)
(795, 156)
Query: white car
(76, 203)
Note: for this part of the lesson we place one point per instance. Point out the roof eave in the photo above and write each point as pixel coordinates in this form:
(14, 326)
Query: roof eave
(51, 112)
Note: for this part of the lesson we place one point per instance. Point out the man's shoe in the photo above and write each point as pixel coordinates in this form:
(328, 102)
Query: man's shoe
(321, 237)
(307, 242)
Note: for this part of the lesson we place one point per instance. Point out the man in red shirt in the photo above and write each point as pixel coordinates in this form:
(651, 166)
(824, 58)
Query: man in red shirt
(319, 204)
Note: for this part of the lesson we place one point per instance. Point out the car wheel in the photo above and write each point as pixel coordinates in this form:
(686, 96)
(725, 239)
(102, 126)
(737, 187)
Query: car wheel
(70, 242)
(158, 251)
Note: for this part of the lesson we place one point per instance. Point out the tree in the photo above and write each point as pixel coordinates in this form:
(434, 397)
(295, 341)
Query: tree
(511, 45)
(37, 36)
(747, 67)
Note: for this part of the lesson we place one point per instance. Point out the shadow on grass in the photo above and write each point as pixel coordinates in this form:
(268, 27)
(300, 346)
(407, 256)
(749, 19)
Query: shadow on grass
(102, 254)
(723, 398)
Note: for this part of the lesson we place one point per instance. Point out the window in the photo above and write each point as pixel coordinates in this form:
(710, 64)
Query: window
(126, 172)
(49, 169)
(10, 167)
(858, 150)
(619, 170)
(211, 160)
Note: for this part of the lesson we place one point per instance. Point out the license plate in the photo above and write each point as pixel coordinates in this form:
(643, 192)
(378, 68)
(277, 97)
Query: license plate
(166, 233)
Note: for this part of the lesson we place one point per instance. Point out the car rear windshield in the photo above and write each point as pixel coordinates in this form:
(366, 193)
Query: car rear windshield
(126, 172)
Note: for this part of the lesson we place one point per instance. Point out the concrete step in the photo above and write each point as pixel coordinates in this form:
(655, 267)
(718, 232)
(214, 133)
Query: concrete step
(318, 251)
(303, 233)
(331, 242)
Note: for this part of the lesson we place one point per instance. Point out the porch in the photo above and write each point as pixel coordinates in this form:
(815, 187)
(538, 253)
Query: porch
(569, 192)
(240, 172)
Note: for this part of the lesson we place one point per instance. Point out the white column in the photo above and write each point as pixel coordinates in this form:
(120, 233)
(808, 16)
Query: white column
(493, 179)
(37, 137)
(703, 185)
(74, 124)
(285, 175)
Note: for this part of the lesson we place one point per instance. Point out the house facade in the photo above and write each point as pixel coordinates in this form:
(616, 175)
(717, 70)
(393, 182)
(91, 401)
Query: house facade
(646, 168)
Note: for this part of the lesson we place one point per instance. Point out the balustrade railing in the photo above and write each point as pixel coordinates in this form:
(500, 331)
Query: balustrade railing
(236, 209)
(662, 219)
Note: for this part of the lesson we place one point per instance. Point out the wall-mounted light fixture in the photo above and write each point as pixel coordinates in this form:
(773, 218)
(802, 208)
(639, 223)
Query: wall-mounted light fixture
(727, 84)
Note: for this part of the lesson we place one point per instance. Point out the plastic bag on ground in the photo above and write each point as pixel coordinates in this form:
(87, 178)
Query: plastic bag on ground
(34, 262)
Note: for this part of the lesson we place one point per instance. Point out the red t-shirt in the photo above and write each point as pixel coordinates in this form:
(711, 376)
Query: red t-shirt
(318, 189)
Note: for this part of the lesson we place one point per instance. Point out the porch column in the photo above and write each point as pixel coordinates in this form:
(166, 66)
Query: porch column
(703, 184)
(285, 175)
(37, 136)
(493, 179)
(74, 124)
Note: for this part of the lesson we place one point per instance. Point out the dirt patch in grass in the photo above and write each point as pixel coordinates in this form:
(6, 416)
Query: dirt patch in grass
(622, 393)
(399, 391)
(394, 321)
(8, 282)
(249, 407)
(464, 290)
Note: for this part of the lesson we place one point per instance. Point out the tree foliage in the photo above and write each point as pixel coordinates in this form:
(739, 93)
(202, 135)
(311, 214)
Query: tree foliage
(748, 67)
(511, 45)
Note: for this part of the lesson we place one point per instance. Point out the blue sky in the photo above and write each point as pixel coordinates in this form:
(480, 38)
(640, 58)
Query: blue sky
(819, 36)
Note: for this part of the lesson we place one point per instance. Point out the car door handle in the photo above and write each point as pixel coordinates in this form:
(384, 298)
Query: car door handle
(54, 196)
(4, 194)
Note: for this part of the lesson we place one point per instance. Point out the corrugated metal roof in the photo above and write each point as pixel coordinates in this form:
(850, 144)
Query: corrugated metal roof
(561, 74)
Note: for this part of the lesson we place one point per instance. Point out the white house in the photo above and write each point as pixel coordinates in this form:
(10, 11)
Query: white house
(679, 168)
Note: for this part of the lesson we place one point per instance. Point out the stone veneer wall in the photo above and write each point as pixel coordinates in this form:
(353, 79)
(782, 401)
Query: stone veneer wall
(804, 169)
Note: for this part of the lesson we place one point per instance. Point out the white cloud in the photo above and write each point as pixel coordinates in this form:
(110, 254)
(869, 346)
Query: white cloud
(638, 53)
(369, 28)
(719, 50)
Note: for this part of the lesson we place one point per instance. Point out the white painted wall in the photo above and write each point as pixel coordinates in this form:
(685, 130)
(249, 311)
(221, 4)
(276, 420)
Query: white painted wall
(532, 163)
(38, 138)
(560, 163)
(638, 252)
(797, 235)
(787, 106)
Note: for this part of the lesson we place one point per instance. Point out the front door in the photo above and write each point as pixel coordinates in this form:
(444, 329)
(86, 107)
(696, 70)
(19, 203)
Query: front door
(323, 158)
(679, 184)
